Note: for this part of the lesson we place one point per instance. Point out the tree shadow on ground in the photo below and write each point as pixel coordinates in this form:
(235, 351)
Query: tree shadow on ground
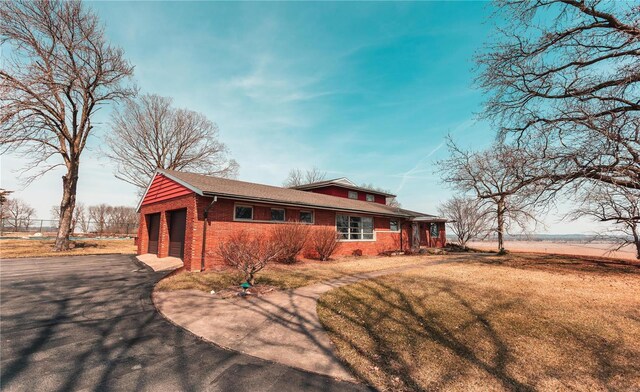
(385, 331)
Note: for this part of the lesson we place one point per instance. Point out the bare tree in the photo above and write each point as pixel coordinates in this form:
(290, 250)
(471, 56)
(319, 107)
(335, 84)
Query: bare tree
(149, 133)
(4, 193)
(61, 71)
(390, 201)
(80, 218)
(100, 215)
(498, 175)
(565, 74)
(18, 213)
(469, 218)
(299, 177)
(617, 205)
(121, 218)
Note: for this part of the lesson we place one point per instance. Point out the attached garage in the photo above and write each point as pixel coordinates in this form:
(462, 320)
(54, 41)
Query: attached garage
(177, 228)
(153, 228)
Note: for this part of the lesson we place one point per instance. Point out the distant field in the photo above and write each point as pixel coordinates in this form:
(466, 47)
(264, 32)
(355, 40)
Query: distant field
(600, 249)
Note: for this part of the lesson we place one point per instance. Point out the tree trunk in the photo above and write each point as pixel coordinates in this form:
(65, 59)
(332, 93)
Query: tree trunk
(67, 205)
(501, 225)
(636, 240)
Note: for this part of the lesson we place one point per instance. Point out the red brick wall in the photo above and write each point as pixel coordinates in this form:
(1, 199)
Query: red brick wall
(344, 192)
(220, 225)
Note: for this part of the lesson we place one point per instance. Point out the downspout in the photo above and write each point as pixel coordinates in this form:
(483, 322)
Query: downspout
(204, 232)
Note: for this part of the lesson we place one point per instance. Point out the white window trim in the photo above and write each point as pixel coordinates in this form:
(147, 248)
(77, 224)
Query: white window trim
(399, 227)
(349, 193)
(369, 195)
(284, 214)
(313, 217)
(362, 239)
(235, 206)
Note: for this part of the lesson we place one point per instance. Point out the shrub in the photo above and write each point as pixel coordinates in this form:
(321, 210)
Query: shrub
(357, 252)
(324, 242)
(290, 238)
(248, 253)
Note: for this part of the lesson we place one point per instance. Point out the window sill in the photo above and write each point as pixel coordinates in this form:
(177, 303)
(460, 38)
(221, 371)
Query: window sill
(269, 221)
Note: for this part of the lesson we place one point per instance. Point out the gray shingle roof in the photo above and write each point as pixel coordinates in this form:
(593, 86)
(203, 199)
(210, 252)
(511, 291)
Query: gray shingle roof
(209, 185)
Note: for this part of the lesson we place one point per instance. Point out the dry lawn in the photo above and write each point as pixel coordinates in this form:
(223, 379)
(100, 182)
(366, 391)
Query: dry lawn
(12, 248)
(522, 322)
(287, 276)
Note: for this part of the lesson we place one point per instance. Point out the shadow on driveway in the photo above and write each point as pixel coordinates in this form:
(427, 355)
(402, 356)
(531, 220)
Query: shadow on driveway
(87, 322)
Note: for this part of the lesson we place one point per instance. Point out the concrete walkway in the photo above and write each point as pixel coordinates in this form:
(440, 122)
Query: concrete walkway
(160, 264)
(282, 326)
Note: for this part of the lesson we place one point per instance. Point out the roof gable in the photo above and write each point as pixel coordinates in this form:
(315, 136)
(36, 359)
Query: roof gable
(163, 188)
(343, 183)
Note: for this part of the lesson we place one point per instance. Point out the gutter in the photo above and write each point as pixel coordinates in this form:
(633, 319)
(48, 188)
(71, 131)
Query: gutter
(314, 206)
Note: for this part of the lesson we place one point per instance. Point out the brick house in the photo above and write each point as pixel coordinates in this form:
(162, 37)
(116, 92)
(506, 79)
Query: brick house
(175, 206)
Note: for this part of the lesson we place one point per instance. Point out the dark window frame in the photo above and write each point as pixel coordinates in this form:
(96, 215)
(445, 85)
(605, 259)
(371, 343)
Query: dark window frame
(235, 212)
(284, 214)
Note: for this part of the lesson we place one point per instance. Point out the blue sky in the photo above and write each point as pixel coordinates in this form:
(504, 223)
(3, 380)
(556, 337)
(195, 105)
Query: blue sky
(362, 90)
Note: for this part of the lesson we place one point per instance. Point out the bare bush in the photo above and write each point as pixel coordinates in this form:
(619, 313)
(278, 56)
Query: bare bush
(324, 241)
(290, 238)
(248, 253)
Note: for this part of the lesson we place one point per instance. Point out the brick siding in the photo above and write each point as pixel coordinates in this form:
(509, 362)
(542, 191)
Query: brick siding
(221, 224)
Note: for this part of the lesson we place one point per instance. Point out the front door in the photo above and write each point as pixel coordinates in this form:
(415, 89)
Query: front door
(415, 236)
(153, 230)
(177, 228)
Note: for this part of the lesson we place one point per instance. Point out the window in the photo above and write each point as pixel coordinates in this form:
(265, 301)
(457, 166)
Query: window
(433, 229)
(353, 195)
(244, 213)
(393, 225)
(354, 227)
(277, 214)
(371, 197)
(306, 216)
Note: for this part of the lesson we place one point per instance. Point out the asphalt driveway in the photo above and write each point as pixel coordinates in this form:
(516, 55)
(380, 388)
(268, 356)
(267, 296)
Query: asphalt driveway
(87, 323)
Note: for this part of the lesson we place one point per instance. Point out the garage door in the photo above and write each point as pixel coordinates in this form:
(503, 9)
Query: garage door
(153, 228)
(177, 226)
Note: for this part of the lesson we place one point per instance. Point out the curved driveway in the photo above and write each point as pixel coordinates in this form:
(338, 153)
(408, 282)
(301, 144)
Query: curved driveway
(87, 323)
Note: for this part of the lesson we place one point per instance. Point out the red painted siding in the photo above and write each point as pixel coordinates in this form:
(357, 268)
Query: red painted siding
(163, 188)
(338, 191)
